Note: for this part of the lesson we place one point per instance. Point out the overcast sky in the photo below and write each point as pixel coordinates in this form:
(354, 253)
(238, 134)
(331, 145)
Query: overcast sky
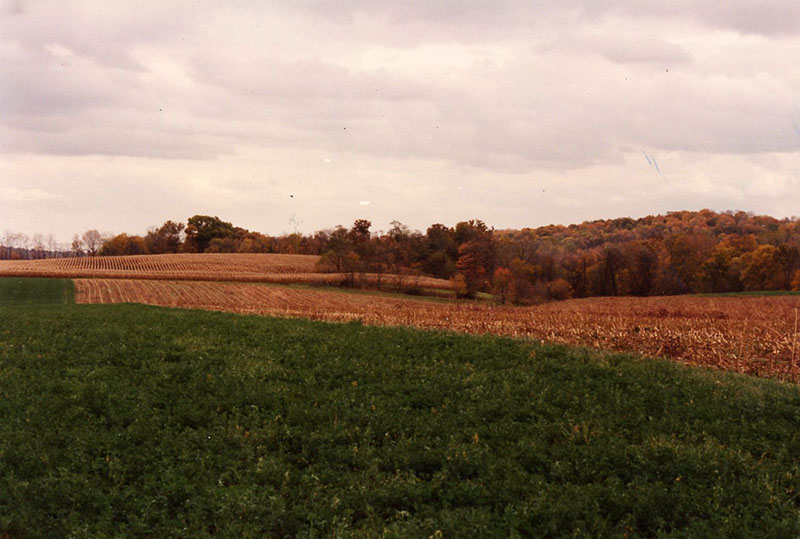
(301, 115)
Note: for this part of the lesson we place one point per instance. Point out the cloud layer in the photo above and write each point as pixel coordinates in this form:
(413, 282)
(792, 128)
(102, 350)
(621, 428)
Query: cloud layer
(517, 113)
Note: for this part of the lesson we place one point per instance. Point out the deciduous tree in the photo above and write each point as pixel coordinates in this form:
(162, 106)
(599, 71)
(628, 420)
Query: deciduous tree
(503, 284)
(77, 245)
(201, 229)
(761, 269)
(165, 239)
(122, 244)
(719, 273)
(92, 240)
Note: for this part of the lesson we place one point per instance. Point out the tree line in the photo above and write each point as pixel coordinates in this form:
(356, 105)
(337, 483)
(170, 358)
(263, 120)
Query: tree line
(15, 245)
(677, 253)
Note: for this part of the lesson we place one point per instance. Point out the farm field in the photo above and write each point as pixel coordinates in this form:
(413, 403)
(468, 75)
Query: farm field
(272, 268)
(206, 266)
(132, 420)
(747, 334)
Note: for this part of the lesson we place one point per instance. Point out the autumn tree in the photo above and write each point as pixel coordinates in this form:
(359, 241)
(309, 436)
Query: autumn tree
(576, 267)
(254, 242)
(360, 233)
(559, 289)
(472, 230)
(404, 248)
(380, 258)
(687, 253)
(525, 276)
(761, 269)
(642, 263)
(122, 244)
(546, 259)
(503, 284)
(605, 274)
(474, 263)
(442, 251)
(788, 258)
(317, 242)
(476, 254)
(719, 273)
(223, 244)
(360, 237)
(337, 248)
(165, 239)
(202, 229)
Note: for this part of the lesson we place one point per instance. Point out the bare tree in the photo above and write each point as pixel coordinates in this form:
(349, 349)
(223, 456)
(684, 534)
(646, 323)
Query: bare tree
(24, 244)
(5, 250)
(77, 245)
(92, 239)
(12, 242)
(52, 244)
(38, 245)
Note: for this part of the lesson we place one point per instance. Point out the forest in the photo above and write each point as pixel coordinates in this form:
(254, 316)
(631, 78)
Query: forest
(677, 253)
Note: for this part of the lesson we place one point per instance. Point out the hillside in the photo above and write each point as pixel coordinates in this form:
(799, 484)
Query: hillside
(187, 423)
(677, 253)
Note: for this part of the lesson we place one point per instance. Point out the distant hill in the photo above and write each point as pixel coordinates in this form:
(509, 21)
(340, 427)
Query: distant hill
(680, 252)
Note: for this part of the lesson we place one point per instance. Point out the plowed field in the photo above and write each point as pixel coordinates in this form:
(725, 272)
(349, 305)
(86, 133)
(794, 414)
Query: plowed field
(755, 335)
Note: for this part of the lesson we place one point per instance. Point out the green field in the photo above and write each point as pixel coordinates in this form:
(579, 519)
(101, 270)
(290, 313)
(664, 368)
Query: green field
(143, 421)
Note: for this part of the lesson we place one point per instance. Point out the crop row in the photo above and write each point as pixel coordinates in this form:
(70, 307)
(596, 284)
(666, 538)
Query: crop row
(273, 268)
(755, 335)
(178, 263)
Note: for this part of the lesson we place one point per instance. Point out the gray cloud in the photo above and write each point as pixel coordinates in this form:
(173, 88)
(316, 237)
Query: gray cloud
(482, 18)
(634, 48)
(770, 17)
(440, 98)
(313, 78)
(102, 32)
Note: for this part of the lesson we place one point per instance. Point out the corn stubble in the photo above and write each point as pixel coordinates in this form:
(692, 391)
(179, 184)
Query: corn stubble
(754, 335)
(235, 267)
(176, 266)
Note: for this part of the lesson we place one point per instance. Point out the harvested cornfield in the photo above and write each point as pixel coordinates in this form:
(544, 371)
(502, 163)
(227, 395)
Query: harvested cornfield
(274, 268)
(270, 268)
(176, 266)
(754, 335)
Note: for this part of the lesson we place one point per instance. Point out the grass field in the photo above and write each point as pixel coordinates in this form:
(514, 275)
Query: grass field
(138, 420)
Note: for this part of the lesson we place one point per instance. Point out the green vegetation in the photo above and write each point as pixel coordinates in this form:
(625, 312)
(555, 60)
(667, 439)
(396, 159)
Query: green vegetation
(134, 420)
(16, 292)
